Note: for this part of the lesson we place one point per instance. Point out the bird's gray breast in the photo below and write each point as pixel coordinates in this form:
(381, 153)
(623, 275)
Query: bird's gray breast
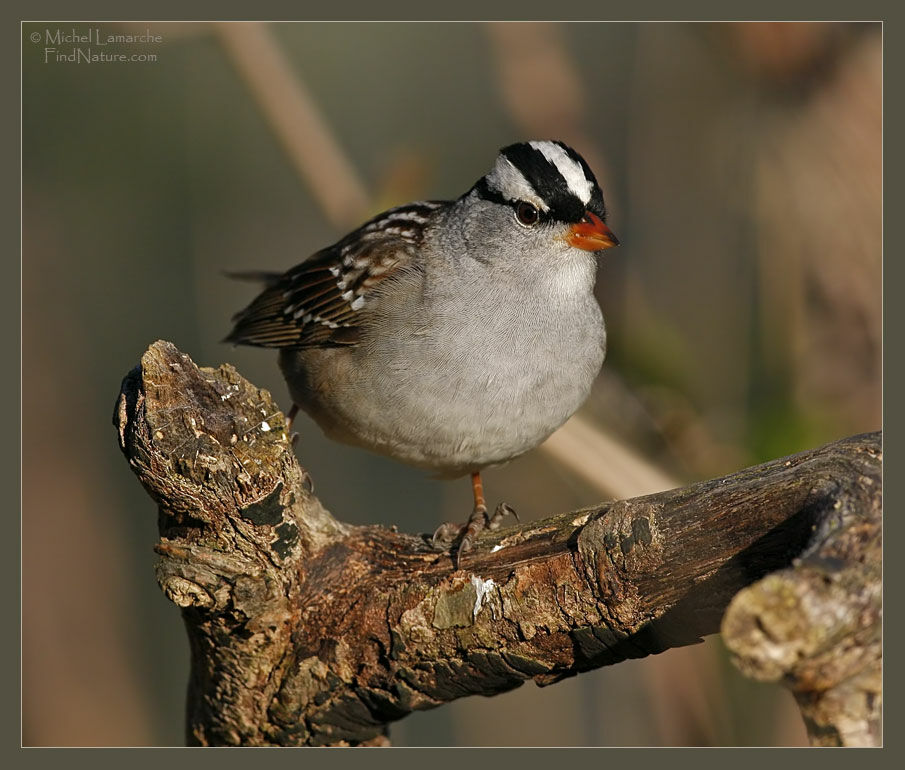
(477, 373)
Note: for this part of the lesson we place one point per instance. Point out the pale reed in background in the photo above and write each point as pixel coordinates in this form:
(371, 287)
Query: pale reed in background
(292, 114)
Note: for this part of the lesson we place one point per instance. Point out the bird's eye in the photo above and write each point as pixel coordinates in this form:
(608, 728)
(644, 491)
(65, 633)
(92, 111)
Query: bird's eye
(526, 213)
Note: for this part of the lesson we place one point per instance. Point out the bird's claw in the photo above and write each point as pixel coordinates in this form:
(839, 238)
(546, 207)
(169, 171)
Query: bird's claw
(459, 538)
(445, 535)
(502, 511)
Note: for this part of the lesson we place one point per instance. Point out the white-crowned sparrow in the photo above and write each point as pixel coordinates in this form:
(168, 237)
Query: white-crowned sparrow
(450, 335)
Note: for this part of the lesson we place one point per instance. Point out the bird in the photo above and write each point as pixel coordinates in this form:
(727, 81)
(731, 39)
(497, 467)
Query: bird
(451, 335)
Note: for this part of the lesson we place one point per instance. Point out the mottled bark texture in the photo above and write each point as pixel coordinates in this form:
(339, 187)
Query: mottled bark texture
(305, 630)
(817, 625)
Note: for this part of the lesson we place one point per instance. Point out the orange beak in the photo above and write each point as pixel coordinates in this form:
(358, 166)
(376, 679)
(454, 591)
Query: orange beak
(591, 234)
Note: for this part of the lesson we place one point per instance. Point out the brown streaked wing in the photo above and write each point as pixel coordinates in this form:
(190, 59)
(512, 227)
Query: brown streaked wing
(318, 302)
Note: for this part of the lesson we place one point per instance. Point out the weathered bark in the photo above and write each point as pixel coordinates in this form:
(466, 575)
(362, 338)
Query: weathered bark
(305, 630)
(816, 626)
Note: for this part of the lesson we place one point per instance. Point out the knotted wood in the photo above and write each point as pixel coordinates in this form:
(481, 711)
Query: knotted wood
(308, 631)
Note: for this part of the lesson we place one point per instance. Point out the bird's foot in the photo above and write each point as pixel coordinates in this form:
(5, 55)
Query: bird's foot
(459, 538)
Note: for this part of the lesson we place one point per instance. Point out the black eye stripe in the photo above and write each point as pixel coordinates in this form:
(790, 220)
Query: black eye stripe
(488, 193)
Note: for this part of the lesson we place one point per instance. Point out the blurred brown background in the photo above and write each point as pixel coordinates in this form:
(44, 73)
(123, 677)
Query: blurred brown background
(742, 167)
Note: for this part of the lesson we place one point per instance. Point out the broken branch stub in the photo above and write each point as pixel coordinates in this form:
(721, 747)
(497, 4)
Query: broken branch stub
(816, 626)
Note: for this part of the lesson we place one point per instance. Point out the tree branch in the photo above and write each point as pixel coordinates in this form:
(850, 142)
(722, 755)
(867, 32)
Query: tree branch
(817, 625)
(305, 630)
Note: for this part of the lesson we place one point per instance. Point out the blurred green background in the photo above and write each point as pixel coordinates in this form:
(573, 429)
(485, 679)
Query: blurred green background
(741, 164)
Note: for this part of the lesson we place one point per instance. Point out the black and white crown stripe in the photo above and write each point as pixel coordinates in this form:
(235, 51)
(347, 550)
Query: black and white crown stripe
(573, 171)
(510, 184)
(550, 175)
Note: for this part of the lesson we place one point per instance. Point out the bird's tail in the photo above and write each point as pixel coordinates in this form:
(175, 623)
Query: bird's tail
(267, 277)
